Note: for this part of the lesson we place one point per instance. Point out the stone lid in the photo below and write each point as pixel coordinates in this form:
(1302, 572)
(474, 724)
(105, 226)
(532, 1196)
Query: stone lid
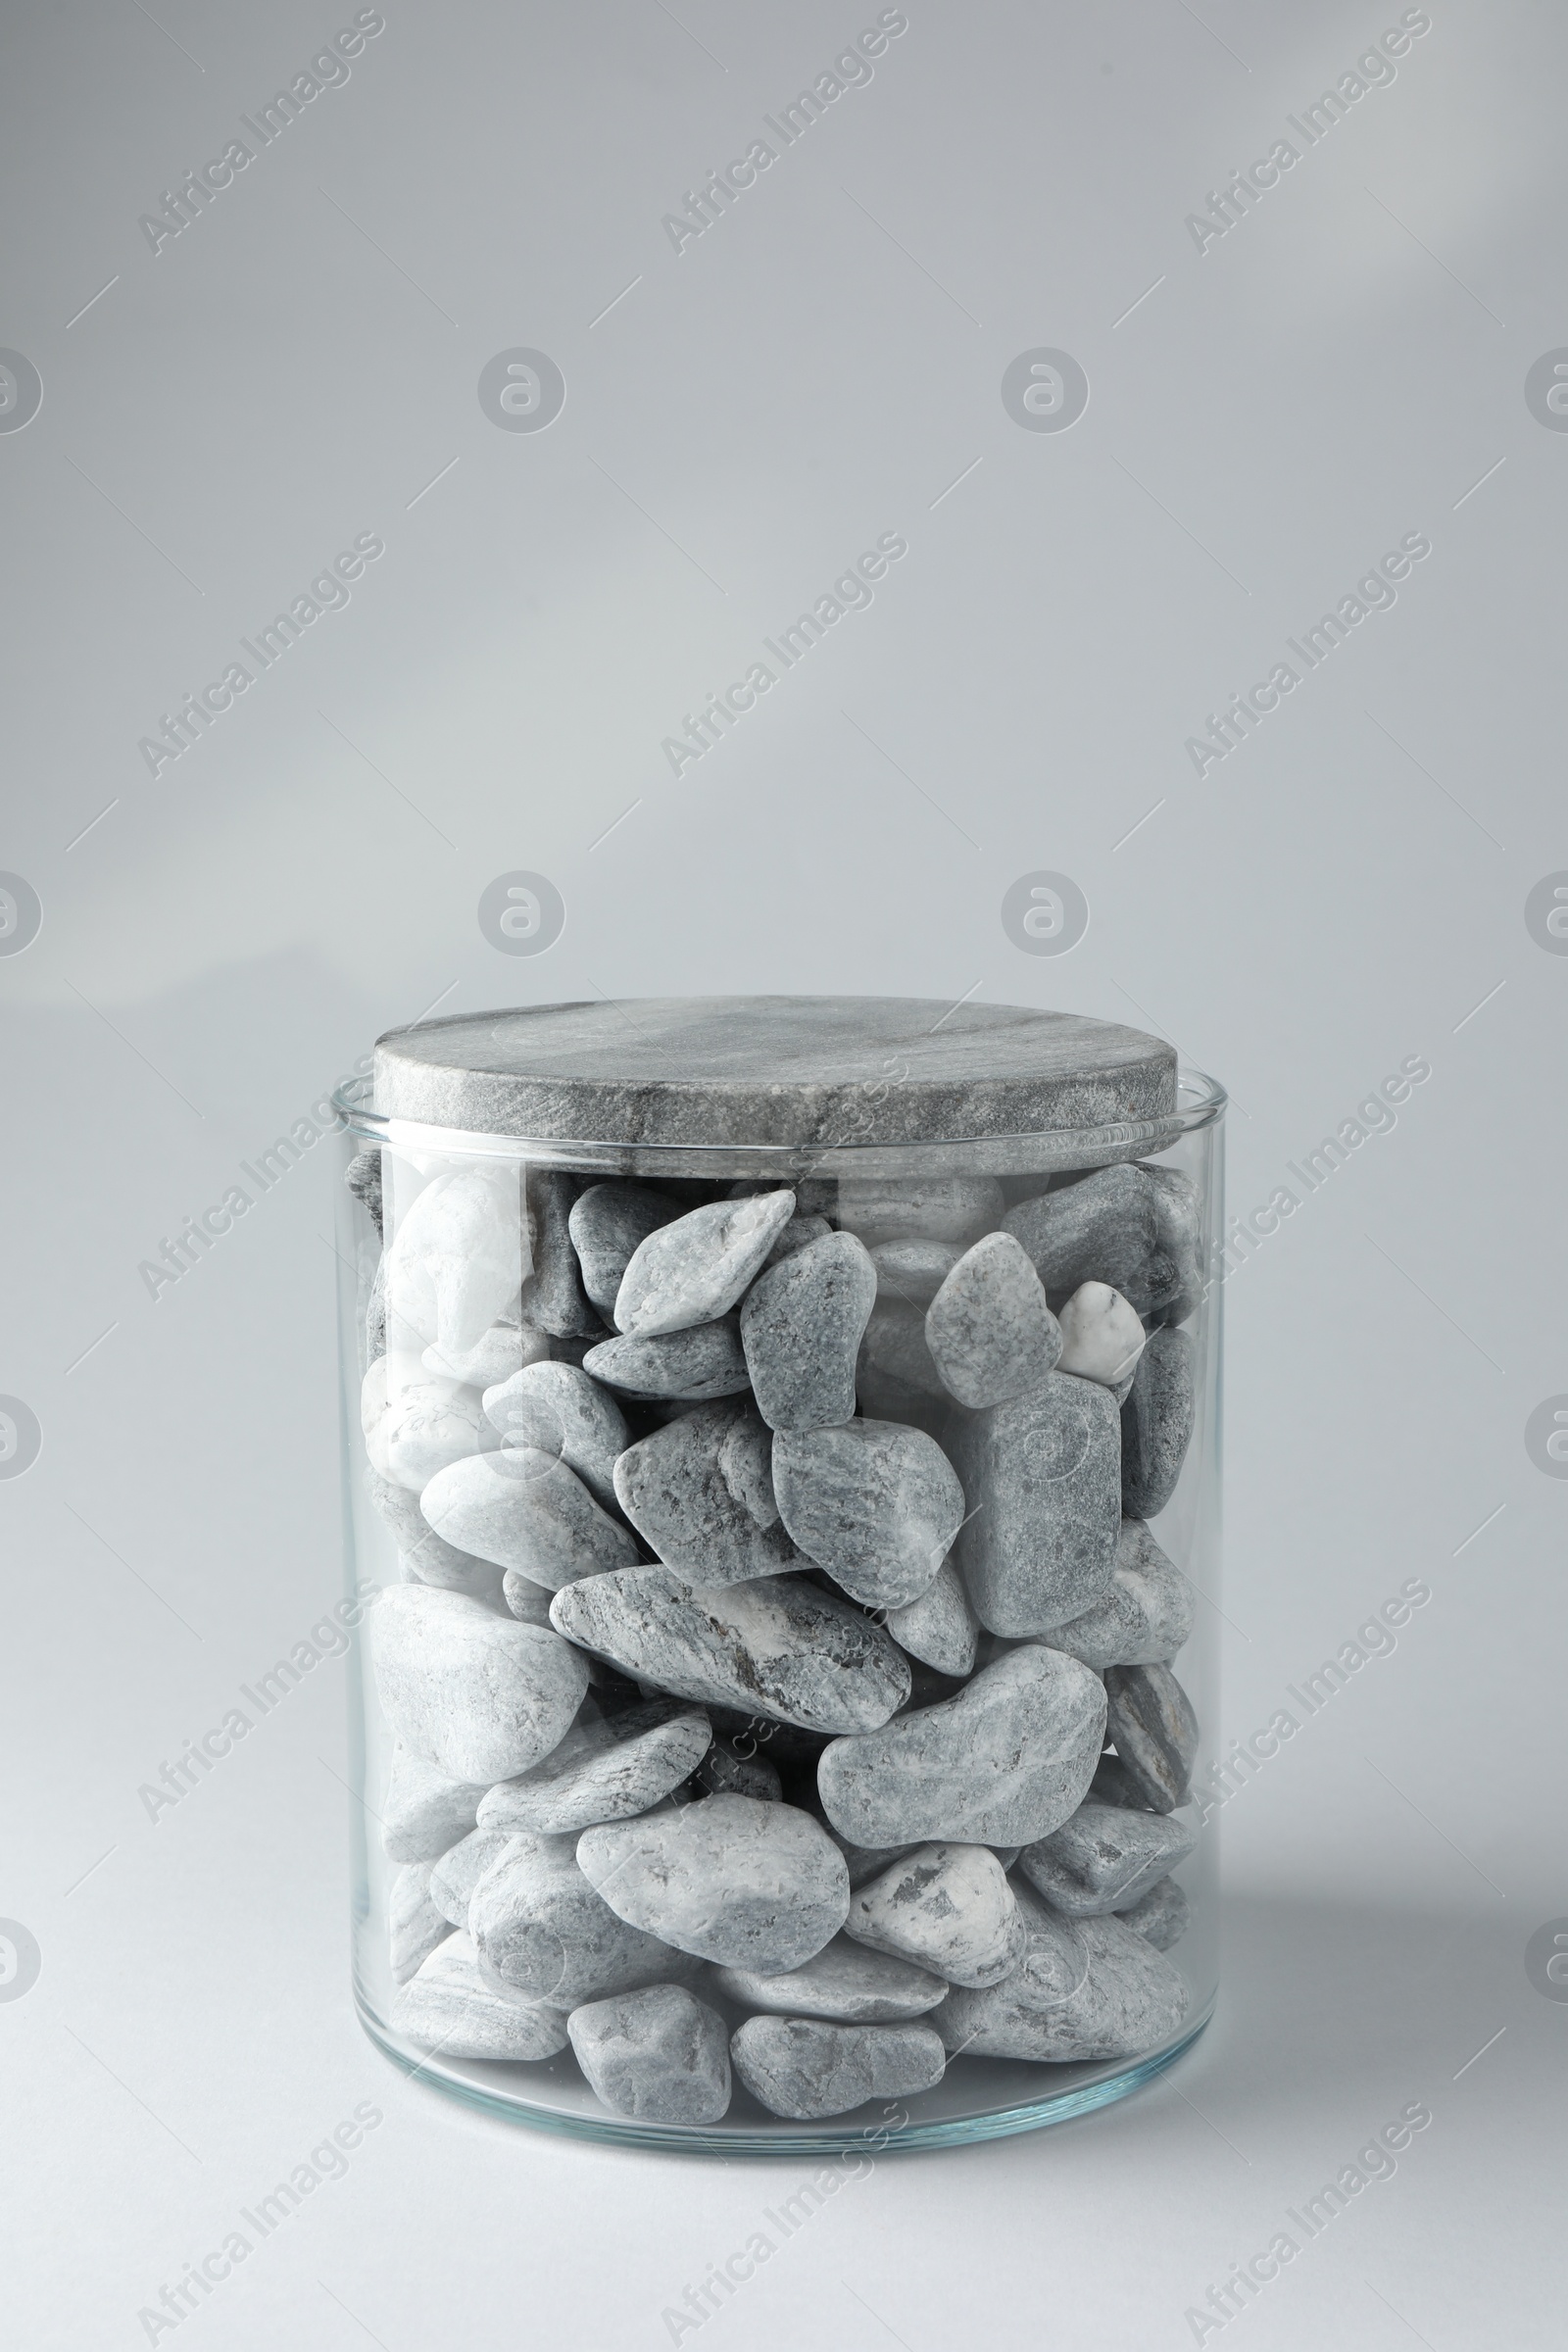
(812, 1071)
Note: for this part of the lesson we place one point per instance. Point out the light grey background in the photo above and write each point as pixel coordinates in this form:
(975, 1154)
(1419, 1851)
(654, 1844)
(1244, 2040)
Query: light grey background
(218, 944)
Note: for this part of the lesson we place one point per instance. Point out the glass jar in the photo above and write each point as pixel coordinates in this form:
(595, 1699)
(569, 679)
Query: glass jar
(782, 1509)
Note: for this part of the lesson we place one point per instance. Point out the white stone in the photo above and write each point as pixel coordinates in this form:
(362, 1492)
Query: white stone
(526, 1510)
(1101, 1336)
(424, 1811)
(561, 1410)
(731, 1879)
(448, 2008)
(455, 1876)
(659, 2054)
(473, 1692)
(693, 1270)
(455, 1263)
(847, 1984)
(498, 1354)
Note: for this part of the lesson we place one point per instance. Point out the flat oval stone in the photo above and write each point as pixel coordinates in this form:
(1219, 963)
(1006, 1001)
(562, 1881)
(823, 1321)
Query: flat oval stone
(703, 1362)
(800, 2068)
(1145, 1614)
(539, 1929)
(604, 1771)
(1004, 1762)
(693, 1270)
(659, 2054)
(948, 1908)
(991, 1333)
(473, 1692)
(424, 1811)
(1102, 1337)
(912, 1272)
(920, 1209)
(801, 1328)
(449, 2007)
(894, 1356)
(608, 1224)
(414, 1926)
(552, 1296)
(939, 1629)
(1103, 1858)
(1042, 1477)
(1085, 1988)
(561, 1410)
(1156, 1423)
(845, 1983)
(526, 1510)
(874, 1503)
(1161, 1915)
(426, 1557)
(455, 1876)
(455, 1263)
(1152, 1722)
(700, 1491)
(728, 1878)
(772, 1646)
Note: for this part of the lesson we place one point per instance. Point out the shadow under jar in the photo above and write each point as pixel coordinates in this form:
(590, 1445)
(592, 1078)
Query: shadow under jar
(782, 1509)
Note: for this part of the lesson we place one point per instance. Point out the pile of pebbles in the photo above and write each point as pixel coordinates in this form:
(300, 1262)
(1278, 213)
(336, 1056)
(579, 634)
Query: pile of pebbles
(780, 1676)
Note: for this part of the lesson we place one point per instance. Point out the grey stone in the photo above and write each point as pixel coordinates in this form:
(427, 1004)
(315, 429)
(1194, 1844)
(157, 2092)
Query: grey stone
(939, 1629)
(920, 1209)
(798, 1234)
(847, 1984)
(602, 1771)
(693, 1270)
(1103, 1858)
(801, 1328)
(362, 1176)
(894, 1356)
(1150, 1719)
(912, 1272)
(882, 1397)
(659, 2054)
(608, 1224)
(449, 2008)
(731, 1879)
(552, 1296)
(375, 1313)
(539, 1929)
(414, 1926)
(1102, 1337)
(991, 1333)
(1161, 1915)
(723, 1773)
(948, 1908)
(473, 1692)
(454, 1261)
(774, 1646)
(561, 1410)
(1127, 1226)
(700, 1491)
(424, 1811)
(526, 1510)
(1004, 1762)
(868, 1861)
(800, 2068)
(1178, 1244)
(525, 1600)
(1156, 1423)
(1085, 1988)
(1113, 1785)
(1145, 1614)
(704, 1361)
(875, 1504)
(1042, 1478)
(1006, 1855)
(427, 1557)
(455, 1876)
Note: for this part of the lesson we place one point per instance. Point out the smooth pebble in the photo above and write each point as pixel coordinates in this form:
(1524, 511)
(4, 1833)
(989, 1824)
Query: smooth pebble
(539, 1929)
(1042, 1479)
(474, 1693)
(704, 1361)
(699, 1492)
(608, 1224)
(1155, 1732)
(800, 2068)
(1161, 1915)
(846, 1984)
(695, 1269)
(659, 2054)
(1145, 1614)
(874, 1503)
(730, 1879)
(948, 1908)
(939, 1628)
(1105, 1858)
(991, 1333)
(561, 1409)
(424, 1811)
(1102, 1337)
(526, 1510)
(449, 2007)
(603, 1770)
(1085, 1988)
(801, 1326)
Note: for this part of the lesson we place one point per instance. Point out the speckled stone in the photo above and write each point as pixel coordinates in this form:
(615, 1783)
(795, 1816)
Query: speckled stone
(426, 1557)
(730, 1879)
(553, 1296)
(455, 1876)
(1102, 1337)
(414, 1926)
(1178, 1244)
(1131, 1226)
(920, 1209)
(800, 2068)
(895, 1358)
(772, 1646)
(659, 2054)
(704, 1361)
(449, 2007)
(846, 1984)
(561, 1409)
(699, 1492)
(1156, 1424)
(948, 1908)
(424, 1811)
(473, 1692)
(602, 1771)
(1085, 1988)
(801, 1328)
(1161, 1915)
(693, 1270)
(1145, 1614)
(1103, 1858)
(526, 1510)
(1004, 1762)
(608, 1224)
(539, 1929)
(875, 1504)
(1155, 1732)
(991, 1333)
(939, 1629)
(1042, 1479)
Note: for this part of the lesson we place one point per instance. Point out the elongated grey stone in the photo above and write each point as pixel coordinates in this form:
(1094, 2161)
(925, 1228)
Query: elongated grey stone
(1156, 1423)
(774, 1646)
(455, 1876)
(1085, 1988)
(1004, 1762)
(1042, 1479)
(894, 1356)
(449, 2007)
(1129, 1226)
(1103, 1858)
(608, 1224)
(539, 1929)
(1150, 1719)
(948, 1908)
(803, 2069)
(526, 1510)
(700, 1491)
(427, 1557)
(560, 1411)
(912, 1272)
(703, 1362)
(1145, 1614)
(920, 1209)
(424, 1811)
(798, 1234)
(730, 1879)
(659, 2055)
(939, 1627)
(1161, 1915)
(414, 1926)
(875, 1504)
(882, 1397)
(1102, 1337)
(1178, 1244)
(693, 1270)
(602, 1771)
(801, 1328)
(473, 1692)
(553, 1295)
(846, 1984)
(991, 1333)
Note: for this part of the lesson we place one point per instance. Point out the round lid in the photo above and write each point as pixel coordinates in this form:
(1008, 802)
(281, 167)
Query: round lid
(815, 1071)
